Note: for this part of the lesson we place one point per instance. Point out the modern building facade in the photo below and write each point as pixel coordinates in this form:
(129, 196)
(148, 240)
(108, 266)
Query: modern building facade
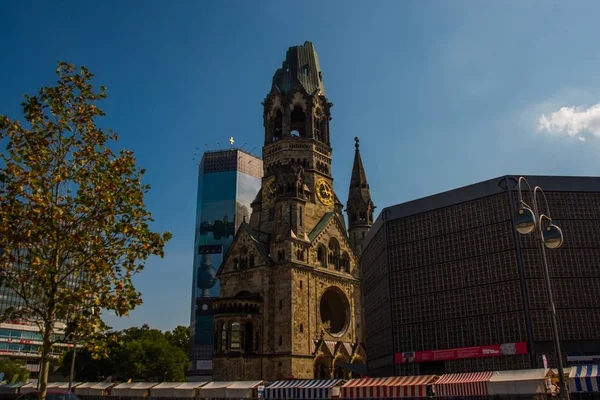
(450, 286)
(290, 301)
(22, 339)
(228, 181)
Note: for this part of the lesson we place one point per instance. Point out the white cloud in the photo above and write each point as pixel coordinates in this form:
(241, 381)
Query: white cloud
(574, 121)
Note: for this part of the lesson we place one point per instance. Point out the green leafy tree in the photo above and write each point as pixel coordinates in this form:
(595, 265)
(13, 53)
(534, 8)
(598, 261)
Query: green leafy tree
(74, 228)
(180, 337)
(147, 354)
(12, 368)
(135, 353)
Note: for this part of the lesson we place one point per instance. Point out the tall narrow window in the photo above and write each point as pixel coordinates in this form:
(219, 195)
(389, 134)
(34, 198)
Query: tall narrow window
(300, 284)
(291, 211)
(301, 328)
(300, 217)
(280, 340)
(281, 304)
(235, 336)
(224, 338)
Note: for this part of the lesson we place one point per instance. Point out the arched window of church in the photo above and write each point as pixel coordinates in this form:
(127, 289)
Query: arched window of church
(280, 340)
(281, 304)
(346, 262)
(235, 337)
(321, 257)
(301, 328)
(251, 260)
(300, 284)
(305, 70)
(278, 126)
(334, 253)
(298, 121)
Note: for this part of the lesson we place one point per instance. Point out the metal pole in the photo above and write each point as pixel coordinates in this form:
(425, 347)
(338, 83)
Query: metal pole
(563, 393)
(72, 366)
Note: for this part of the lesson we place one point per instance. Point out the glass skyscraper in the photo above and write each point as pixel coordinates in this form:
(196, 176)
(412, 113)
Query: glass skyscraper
(228, 182)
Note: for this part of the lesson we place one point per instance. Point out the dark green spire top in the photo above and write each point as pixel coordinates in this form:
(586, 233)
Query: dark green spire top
(301, 65)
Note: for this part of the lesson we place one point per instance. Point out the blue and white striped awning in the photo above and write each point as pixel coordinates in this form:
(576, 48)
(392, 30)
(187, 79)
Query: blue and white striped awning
(281, 389)
(316, 389)
(585, 378)
(301, 389)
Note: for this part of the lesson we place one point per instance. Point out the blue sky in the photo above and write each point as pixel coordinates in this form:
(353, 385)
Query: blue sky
(441, 93)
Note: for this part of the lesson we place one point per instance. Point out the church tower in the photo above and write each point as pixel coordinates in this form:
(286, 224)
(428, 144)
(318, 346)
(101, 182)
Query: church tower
(359, 207)
(290, 297)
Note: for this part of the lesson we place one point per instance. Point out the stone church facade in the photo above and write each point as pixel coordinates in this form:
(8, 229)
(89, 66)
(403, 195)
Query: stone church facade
(291, 303)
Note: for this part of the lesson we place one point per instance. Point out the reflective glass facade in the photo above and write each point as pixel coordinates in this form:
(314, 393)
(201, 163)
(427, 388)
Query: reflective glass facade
(228, 182)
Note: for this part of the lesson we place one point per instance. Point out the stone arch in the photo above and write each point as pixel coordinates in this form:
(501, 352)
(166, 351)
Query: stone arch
(338, 371)
(322, 366)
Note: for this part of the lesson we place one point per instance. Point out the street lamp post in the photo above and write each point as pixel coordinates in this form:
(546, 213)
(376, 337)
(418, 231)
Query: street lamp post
(528, 220)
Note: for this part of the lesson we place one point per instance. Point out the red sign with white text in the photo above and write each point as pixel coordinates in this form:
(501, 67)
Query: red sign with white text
(493, 350)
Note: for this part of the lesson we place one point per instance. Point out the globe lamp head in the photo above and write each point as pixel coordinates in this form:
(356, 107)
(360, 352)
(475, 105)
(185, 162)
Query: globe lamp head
(524, 220)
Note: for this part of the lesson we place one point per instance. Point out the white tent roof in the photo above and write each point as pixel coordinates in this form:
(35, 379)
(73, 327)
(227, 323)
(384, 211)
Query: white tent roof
(241, 389)
(86, 385)
(123, 389)
(30, 387)
(187, 389)
(164, 389)
(100, 387)
(214, 390)
(518, 382)
(519, 375)
(62, 385)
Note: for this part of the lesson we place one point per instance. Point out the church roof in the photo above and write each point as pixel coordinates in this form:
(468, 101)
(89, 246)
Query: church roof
(301, 66)
(263, 248)
(320, 226)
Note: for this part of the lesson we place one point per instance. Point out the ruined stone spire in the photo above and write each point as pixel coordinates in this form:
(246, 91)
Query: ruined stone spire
(360, 206)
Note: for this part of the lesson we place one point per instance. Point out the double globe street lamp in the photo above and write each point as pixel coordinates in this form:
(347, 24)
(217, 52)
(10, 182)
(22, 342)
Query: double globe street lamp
(530, 219)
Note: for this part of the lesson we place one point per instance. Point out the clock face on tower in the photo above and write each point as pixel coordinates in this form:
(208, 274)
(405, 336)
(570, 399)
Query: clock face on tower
(269, 191)
(324, 192)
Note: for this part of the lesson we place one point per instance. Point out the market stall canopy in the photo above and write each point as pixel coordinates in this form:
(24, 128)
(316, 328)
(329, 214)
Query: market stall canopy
(132, 389)
(11, 388)
(241, 389)
(164, 389)
(408, 386)
(585, 378)
(316, 389)
(365, 388)
(84, 388)
(524, 381)
(62, 385)
(101, 388)
(281, 389)
(28, 388)
(188, 389)
(464, 384)
(213, 390)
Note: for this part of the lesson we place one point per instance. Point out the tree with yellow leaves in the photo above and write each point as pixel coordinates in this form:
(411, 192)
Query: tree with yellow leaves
(74, 228)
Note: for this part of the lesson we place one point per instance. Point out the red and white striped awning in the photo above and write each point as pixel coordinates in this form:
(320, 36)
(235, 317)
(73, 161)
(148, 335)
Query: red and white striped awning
(394, 387)
(365, 388)
(408, 386)
(465, 384)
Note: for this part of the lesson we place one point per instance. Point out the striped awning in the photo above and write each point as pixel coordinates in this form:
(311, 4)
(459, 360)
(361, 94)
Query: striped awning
(408, 386)
(585, 378)
(364, 388)
(465, 384)
(281, 389)
(316, 389)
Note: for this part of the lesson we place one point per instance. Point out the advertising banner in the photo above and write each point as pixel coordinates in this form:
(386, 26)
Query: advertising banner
(493, 350)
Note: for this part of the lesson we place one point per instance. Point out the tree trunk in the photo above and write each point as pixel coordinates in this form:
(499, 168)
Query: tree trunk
(46, 348)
